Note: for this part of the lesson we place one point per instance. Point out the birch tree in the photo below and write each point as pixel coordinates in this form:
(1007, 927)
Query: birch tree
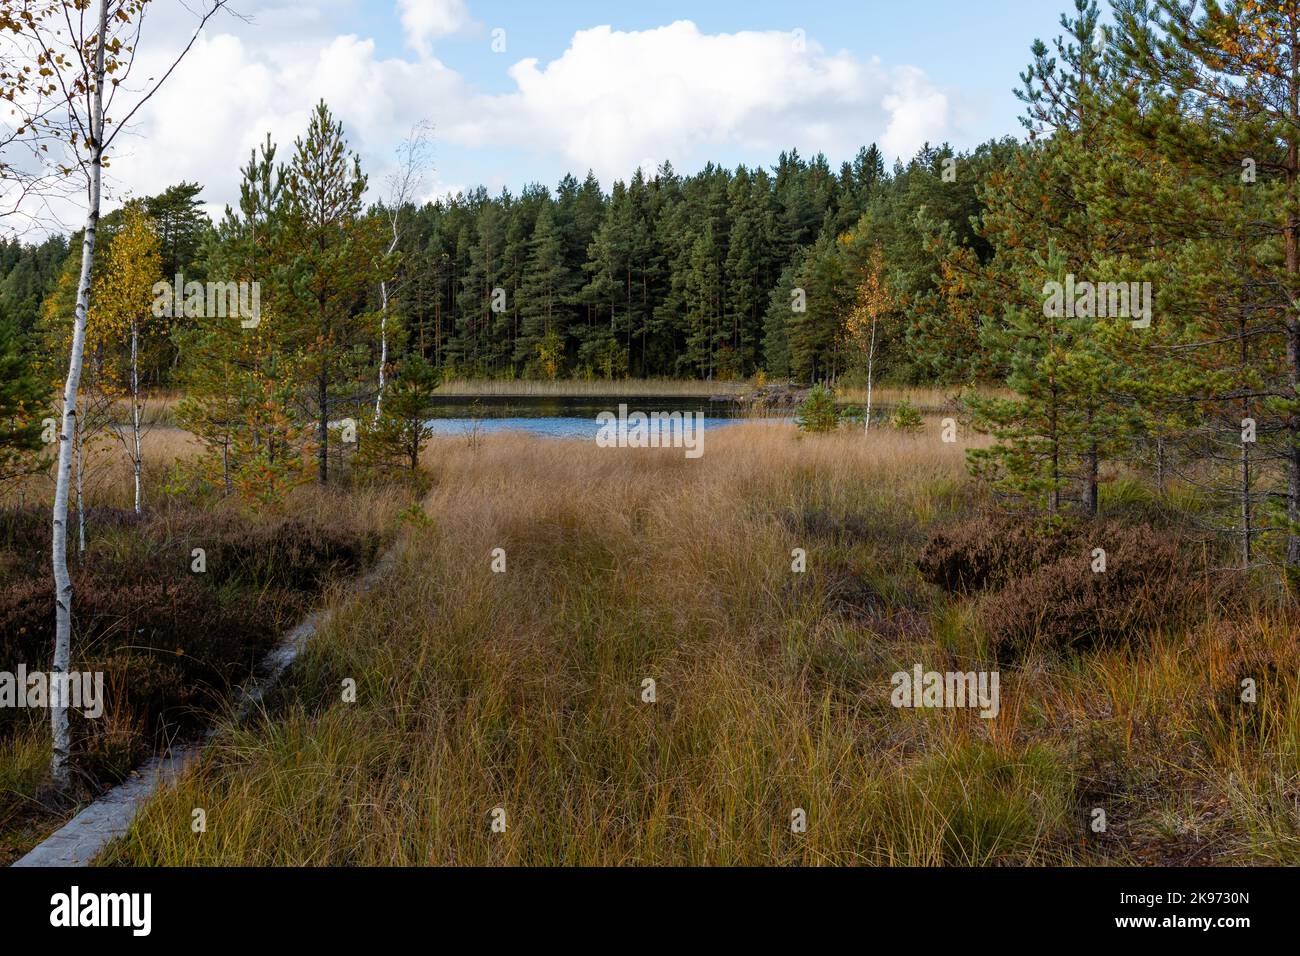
(67, 65)
(96, 393)
(123, 297)
(403, 185)
(874, 302)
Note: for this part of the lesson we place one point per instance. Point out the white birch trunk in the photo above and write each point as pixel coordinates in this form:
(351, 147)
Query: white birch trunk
(403, 187)
(383, 324)
(871, 357)
(383, 343)
(81, 502)
(61, 740)
(135, 410)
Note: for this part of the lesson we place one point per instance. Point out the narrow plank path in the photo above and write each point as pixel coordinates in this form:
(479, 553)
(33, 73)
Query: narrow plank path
(79, 840)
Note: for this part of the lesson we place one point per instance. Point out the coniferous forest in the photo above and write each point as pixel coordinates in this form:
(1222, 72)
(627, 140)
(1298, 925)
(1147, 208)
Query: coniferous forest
(663, 275)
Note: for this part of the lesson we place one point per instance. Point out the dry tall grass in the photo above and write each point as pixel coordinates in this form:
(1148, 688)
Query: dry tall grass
(107, 474)
(524, 690)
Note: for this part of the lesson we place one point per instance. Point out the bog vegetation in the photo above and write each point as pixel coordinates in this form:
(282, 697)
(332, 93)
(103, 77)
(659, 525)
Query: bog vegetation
(525, 691)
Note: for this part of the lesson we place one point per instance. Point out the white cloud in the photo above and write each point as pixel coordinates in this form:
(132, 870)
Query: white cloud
(918, 113)
(616, 97)
(426, 20)
(611, 100)
(226, 96)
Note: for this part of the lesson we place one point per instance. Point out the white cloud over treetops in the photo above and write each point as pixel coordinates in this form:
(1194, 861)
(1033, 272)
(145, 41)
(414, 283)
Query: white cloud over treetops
(610, 101)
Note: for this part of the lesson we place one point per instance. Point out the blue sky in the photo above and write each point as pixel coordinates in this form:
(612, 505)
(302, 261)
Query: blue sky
(584, 84)
(977, 48)
(977, 43)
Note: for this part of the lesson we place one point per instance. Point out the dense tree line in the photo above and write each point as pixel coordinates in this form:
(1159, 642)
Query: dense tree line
(1141, 299)
(664, 275)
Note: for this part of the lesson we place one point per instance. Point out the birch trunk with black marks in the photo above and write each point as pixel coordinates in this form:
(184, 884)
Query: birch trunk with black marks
(135, 410)
(871, 358)
(81, 502)
(383, 339)
(61, 742)
(383, 323)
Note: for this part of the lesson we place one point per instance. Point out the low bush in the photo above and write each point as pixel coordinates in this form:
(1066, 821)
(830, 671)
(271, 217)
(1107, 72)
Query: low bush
(169, 648)
(1044, 585)
(988, 552)
(1149, 585)
(283, 552)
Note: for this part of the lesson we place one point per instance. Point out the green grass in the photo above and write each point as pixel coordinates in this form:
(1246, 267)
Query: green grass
(26, 817)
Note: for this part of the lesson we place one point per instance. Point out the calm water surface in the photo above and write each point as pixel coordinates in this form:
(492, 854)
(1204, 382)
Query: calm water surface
(566, 417)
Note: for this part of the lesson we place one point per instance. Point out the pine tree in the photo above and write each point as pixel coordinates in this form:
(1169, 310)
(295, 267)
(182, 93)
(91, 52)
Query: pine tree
(479, 305)
(395, 439)
(827, 293)
(542, 305)
(748, 267)
(706, 330)
(1214, 94)
(1068, 417)
(337, 258)
(1034, 455)
(182, 228)
(601, 295)
(777, 319)
(239, 379)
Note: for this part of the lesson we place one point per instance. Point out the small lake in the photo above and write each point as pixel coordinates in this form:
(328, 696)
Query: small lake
(575, 417)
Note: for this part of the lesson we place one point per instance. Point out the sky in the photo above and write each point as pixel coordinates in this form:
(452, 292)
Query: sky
(520, 91)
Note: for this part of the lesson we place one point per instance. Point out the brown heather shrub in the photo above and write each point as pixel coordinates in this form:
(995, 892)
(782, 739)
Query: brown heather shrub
(24, 531)
(1151, 584)
(286, 552)
(171, 643)
(168, 647)
(298, 553)
(26, 620)
(988, 552)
